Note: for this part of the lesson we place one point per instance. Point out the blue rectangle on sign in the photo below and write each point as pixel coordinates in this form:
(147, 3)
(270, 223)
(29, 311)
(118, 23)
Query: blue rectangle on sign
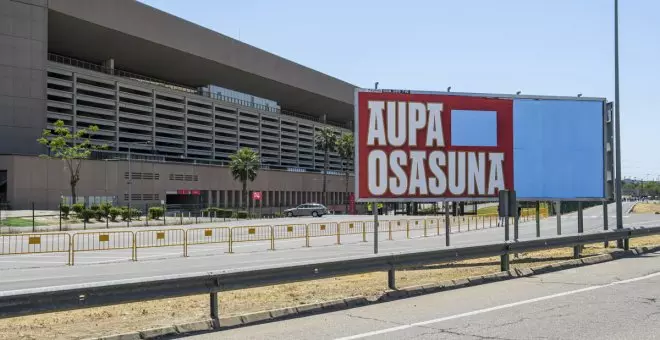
(558, 149)
(473, 128)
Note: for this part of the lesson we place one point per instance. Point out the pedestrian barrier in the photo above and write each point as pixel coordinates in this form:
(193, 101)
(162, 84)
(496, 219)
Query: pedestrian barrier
(206, 236)
(250, 234)
(98, 241)
(159, 238)
(291, 231)
(117, 240)
(18, 244)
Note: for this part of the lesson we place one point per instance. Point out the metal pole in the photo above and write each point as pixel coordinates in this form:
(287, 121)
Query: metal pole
(578, 249)
(617, 126)
(374, 208)
(605, 226)
(558, 205)
(60, 216)
(538, 219)
(33, 224)
(214, 305)
(447, 224)
(130, 187)
(515, 223)
(391, 279)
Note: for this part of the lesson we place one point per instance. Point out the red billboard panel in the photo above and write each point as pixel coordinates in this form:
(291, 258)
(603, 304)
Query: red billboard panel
(256, 195)
(405, 150)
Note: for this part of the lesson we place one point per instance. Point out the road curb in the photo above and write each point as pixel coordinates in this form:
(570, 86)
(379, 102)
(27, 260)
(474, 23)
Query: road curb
(358, 301)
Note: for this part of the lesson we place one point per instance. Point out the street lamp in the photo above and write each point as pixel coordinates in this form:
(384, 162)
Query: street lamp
(130, 178)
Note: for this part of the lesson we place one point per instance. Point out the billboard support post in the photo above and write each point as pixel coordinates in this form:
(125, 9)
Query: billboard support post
(538, 219)
(605, 217)
(558, 211)
(447, 224)
(374, 208)
(580, 216)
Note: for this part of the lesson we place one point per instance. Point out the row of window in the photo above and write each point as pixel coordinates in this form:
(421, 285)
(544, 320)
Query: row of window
(233, 198)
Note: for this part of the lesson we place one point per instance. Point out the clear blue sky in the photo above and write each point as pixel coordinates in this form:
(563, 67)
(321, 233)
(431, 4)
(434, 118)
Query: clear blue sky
(559, 47)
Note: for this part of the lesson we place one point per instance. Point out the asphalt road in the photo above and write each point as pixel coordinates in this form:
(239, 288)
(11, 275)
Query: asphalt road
(614, 300)
(45, 270)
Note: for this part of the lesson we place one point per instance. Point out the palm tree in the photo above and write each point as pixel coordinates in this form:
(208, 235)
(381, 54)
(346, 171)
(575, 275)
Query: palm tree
(345, 147)
(326, 140)
(244, 165)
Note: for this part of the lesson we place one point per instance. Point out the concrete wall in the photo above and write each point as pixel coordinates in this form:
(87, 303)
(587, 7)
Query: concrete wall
(23, 48)
(33, 179)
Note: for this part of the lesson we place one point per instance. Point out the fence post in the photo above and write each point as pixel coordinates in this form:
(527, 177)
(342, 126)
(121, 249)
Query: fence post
(164, 206)
(146, 214)
(60, 212)
(214, 305)
(231, 250)
(272, 238)
(307, 235)
(134, 247)
(425, 232)
(364, 231)
(391, 279)
(338, 233)
(181, 214)
(407, 229)
(33, 224)
(504, 262)
(185, 243)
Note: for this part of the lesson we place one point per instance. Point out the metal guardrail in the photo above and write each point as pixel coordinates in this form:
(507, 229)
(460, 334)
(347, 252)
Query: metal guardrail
(53, 299)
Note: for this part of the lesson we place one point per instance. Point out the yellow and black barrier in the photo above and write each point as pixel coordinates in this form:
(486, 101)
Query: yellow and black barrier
(251, 234)
(215, 235)
(159, 238)
(17, 244)
(98, 241)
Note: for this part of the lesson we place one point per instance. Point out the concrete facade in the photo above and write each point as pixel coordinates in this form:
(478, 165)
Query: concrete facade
(23, 49)
(136, 73)
(44, 182)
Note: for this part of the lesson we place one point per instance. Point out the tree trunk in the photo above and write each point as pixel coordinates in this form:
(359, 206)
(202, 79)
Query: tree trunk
(73, 191)
(325, 179)
(346, 193)
(245, 194)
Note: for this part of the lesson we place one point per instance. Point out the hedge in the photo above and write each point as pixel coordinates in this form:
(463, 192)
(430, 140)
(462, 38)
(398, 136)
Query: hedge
(156, 213)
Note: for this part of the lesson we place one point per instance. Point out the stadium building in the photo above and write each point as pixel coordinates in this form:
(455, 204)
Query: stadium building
(180, 96)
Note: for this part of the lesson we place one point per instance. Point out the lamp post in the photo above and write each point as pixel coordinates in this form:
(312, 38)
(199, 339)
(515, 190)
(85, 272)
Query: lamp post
(617, 128)
(130, 180)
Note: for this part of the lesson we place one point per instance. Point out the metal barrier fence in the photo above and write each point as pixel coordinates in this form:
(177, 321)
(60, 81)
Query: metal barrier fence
(15, 244)
(98, 241)
(251, 234)
(35, 244)
(206, 236)
(159, 238)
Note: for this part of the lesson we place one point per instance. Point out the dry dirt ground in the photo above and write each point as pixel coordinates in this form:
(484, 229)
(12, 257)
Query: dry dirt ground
(647, 208)
(102, 321)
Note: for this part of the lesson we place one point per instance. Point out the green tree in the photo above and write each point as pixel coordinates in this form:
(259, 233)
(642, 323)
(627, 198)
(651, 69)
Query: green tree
(345, 148)
(71, 147)
(326, 140)
(244, 165)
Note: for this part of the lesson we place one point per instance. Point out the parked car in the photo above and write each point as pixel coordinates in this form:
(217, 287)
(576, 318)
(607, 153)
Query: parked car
(307, 209)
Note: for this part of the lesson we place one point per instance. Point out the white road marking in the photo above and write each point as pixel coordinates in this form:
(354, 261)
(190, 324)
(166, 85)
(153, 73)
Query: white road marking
(492, 309)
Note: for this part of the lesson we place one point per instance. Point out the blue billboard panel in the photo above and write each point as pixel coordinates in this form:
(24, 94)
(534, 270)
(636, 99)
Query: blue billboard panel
(558, 149)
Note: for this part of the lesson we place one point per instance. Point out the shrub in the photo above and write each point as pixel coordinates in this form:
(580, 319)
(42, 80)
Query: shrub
(94, 207)
(105, 209)
(87, 214)
(98, 215)
(78, 208)
(65, 210)
(135, 214)
(227, 213)
(155, 213)
(113, 213)
(241, 214)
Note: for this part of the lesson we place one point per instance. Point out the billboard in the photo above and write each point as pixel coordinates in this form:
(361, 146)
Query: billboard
(431, 146)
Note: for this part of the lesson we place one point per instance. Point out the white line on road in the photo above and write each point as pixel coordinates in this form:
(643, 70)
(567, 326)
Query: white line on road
(492, 309)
